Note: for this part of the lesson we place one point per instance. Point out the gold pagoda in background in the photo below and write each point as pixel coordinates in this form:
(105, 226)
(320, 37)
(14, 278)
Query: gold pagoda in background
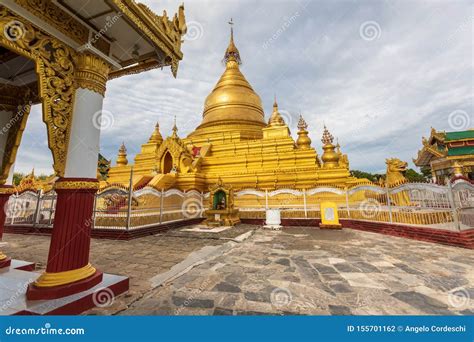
(235, 143)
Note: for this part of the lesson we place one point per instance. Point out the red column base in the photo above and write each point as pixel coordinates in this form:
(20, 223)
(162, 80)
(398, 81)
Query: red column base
(5, 262)
(35, 293)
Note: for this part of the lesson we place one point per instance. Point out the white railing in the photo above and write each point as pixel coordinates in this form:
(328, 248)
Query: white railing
(119, 208)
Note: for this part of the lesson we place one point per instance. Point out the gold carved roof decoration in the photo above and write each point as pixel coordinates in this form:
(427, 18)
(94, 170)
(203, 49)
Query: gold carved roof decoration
(61, 20)
(430, 148)
(162, 32)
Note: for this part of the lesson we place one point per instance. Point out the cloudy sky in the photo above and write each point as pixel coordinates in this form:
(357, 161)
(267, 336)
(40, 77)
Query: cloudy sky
(378, 73)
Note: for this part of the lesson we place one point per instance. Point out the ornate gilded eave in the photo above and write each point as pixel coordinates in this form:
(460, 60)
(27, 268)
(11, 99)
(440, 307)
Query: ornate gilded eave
(430, 149)
(162, 34)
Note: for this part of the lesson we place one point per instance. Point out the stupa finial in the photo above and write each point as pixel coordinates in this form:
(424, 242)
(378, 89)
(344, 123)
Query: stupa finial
(275, 118)
(303, 141)
(122, 155)
(232, 53)
(175, 129)
(302, 125)
(156, 135)
(327, 137)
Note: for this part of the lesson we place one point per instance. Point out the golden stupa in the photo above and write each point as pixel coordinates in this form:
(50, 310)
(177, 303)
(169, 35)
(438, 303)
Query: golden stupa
(236, 143)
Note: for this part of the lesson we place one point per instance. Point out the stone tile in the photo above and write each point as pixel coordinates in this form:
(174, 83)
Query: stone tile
(424, 303)
(227, 287)
(339, 310)
(223, 312)
(193, 302)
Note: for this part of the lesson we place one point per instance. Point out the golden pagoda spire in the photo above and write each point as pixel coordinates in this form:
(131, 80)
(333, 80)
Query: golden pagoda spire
(175, 130)
(122, 156)
(232, 53)
(330, 157)
(156, 135)
(303, 141)
(275, 119)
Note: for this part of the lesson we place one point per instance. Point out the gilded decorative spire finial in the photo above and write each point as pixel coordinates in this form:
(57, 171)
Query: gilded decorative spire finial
(175, 129)
(122, 156)
(303, 141)
(302, 125)
(232, 53)
(327, 137)
(156, 135)
(275, 118)
(330, 157)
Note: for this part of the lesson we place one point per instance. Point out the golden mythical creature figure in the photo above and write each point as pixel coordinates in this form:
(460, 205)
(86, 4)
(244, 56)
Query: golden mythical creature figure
(395, 177)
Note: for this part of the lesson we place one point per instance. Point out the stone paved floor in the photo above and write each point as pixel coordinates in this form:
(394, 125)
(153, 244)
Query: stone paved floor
(293, 271)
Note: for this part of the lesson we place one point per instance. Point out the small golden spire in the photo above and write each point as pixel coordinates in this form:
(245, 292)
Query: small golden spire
(232, 53)
(327, 137)
(122, 155)
(330, 157)
(275, 118)
(302, 125)
(303, 141)
(156, 135)
(175, 130)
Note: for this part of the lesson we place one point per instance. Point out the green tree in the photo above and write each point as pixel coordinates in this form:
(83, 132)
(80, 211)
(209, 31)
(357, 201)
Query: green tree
(374, 177)
(414, 176)
(17, 177)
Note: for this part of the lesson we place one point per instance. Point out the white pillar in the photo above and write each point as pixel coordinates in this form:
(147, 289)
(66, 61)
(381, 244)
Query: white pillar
(84, 141)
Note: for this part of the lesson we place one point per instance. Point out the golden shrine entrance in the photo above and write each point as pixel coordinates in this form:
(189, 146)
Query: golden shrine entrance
(61, 55)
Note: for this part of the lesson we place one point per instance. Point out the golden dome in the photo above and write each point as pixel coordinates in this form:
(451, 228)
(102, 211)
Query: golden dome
(232, 106)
